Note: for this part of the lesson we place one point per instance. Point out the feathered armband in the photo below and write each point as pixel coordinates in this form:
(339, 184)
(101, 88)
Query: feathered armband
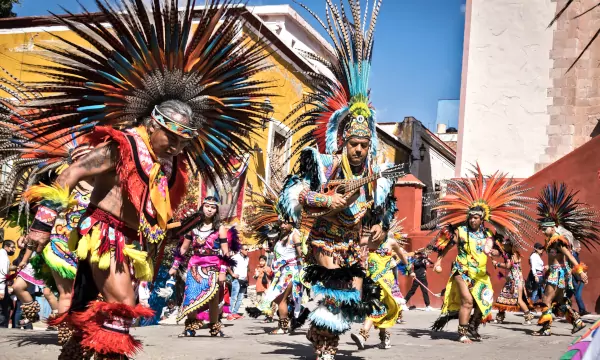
(51, 199)
(581, 268)
(443, 239)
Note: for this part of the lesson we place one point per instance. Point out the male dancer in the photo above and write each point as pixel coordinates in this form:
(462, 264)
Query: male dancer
(176, 93)
(342, 125)
(496, 200)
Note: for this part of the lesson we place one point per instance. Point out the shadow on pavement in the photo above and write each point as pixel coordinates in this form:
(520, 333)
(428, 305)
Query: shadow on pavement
(529, 331)
(304, 351)
(434, 335)
(35, 338)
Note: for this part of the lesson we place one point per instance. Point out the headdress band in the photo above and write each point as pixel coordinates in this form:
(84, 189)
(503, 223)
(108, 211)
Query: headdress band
(172, 125)
(357, 127)
(210, 202)
(547, 223)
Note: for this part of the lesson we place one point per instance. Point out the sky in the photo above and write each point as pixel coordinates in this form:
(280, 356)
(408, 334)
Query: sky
(417, 54)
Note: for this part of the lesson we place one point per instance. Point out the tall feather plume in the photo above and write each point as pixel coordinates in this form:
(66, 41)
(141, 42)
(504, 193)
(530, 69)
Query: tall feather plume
(149, 56)
(319, 110)
(559, 204)
(503, 200)
(26, 156)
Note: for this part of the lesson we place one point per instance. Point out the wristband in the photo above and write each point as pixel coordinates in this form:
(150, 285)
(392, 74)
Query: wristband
(581, 268)
(176, 264)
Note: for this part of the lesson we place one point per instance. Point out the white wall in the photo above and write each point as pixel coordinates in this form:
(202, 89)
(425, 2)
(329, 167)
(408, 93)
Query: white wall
(505, 83)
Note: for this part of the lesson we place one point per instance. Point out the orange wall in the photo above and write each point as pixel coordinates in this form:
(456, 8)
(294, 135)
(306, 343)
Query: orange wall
(579, 170)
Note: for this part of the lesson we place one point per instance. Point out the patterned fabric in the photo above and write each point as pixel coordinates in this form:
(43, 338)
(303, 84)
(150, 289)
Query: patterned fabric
(45, 215)
(508, 300)
(585, 347)
(470, 264)
(103, 236)
(560, 276)
(201, 285)
(59, 253)
(379, 269)
(28, 274)
(286, 275)
(340, 242)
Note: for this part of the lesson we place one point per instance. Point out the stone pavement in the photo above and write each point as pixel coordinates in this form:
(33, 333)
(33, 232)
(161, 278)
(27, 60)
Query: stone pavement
(246, 339)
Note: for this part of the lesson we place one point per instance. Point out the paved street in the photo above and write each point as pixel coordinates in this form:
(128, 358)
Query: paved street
(246, 339)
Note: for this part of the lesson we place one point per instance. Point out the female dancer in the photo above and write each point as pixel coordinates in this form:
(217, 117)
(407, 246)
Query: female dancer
(380, 271)
(512, 297)
(286, 281)
(30, 308)
(207, 268)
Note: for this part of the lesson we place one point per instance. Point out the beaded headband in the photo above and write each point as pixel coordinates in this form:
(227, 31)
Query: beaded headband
(172, 125)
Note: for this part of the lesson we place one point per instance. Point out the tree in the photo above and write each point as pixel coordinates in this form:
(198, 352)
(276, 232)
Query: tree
(6, 8)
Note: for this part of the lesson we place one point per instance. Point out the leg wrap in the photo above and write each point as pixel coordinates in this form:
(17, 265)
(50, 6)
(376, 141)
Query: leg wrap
(31, 311)
(474, 323)
(546, 317)
(528, 316)
(215, 329)
(385, 338)
(463, 332)
(324, 343)
(193, 324)
(65, 332)
(105, 328)
(284, 324)
(72, 349)
(500, 316)
(364, 333)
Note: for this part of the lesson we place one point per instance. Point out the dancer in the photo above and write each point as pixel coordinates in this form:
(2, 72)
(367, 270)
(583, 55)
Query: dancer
(286, 282)
(341, 124)
(380, 271)
(512, 296)
(207, 268)
(496, 200)
(264, 219)
(26, 280)
(176, 93)
(563, 220)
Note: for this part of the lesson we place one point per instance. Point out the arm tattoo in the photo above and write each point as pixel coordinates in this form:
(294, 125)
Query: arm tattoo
(103, 156)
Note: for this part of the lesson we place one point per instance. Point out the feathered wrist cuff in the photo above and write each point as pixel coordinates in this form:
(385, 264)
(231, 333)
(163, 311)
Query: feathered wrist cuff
(581, 268)
(53, 196)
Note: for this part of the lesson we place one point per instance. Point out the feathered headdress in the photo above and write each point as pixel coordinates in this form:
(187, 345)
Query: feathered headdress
(557, 206)
(497, 199)
(262, 216)
(28, 155)
(138, 58)
(339, 107)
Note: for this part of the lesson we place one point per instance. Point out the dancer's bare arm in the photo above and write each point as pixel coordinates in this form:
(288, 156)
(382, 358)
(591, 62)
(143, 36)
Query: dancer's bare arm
(99, 161)
(571, 258)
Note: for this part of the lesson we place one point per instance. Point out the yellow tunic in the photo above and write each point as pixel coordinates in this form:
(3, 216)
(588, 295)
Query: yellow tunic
(379, 269)
(471, 265)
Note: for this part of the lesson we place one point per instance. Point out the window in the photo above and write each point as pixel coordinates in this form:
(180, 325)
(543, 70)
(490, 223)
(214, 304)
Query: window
(278, 165)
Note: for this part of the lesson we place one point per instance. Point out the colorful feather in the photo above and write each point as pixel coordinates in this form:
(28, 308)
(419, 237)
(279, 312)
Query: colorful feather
(501, 198)
(337, 99)
(150, 56)
(558, 204)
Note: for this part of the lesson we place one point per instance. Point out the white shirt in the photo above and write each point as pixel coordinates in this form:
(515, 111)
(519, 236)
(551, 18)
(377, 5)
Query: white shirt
(536, 263)
(241, 269)
(4, 267)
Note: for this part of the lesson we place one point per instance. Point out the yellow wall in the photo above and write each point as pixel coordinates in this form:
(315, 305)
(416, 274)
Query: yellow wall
(16, 49)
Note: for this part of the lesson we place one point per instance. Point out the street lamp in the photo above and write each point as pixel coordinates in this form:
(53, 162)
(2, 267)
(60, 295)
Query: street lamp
(267, 109)
(422, 151)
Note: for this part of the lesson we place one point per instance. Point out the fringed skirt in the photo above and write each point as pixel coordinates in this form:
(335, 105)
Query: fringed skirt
(103, 236)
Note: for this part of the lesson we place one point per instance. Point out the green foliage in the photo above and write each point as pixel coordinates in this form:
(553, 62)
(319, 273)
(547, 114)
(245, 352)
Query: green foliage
(6, 7)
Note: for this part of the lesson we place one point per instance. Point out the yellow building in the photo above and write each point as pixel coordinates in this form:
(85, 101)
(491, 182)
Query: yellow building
(285, 32)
